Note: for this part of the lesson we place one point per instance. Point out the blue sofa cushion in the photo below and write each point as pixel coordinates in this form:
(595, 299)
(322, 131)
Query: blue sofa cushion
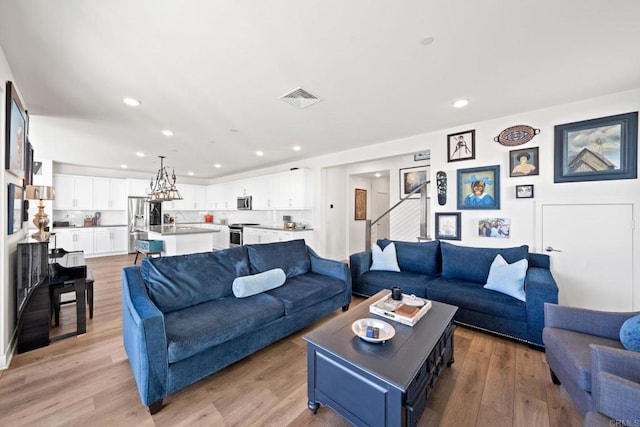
(245, 286)
(306, 290)
(419, 257)
(177, 282)
(193, 329)
(477, 298)
(410, 282)
(508, 278)
(630, 333)
(291, 256)
(473, 264)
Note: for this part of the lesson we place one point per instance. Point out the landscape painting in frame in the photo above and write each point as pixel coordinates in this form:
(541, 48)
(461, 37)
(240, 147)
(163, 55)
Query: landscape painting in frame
(479, 188)
(411, 179)
(16, 133)
(597, 149)
(494, 227)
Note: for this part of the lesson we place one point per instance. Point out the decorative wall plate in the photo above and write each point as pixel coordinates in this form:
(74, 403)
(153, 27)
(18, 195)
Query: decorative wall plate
(516, 135)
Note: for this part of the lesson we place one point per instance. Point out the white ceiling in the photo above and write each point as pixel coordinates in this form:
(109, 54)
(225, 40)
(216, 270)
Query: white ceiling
(213, 72)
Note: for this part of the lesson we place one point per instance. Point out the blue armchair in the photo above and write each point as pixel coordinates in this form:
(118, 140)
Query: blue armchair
(585, 355)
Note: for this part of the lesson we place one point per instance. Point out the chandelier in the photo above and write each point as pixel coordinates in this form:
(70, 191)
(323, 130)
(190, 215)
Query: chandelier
(163, 188)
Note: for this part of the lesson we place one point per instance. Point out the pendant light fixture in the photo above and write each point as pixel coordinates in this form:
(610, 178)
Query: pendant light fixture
(163, 188)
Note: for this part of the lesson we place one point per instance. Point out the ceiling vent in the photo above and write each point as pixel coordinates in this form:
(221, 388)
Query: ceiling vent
(300, 98)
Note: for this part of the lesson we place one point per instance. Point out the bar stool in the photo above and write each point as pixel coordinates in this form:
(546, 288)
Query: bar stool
(57, 289)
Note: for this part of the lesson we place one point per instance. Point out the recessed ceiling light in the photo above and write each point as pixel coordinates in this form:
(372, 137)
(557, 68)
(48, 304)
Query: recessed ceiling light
(190, 173)
(140, 154)
(167, 132)
(217, 166)
(259, 153)
(297, 148)
(460, 103)
(123, 166)
(378, 175)
(427, 40)
(131, 102)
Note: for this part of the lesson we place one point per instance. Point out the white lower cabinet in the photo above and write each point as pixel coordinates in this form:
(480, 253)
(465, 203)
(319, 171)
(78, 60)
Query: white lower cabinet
(221, 238)
(111, 239)
(80, 239)
(252, 235)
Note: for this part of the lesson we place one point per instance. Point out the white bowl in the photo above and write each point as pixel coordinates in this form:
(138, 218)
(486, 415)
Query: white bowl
(359, 327)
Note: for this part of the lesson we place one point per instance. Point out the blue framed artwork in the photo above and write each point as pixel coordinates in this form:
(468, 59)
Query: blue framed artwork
(14, 208)
(479, 188)
(17, 122)
(598, 149)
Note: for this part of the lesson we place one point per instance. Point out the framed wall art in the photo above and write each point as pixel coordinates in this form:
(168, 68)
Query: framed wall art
(479, 188)
(14, 208)
(494, 227)
(411, 179)
(524, 191)
(598, 149)
(448, 225)
(16, 133)
(524, 162)
(461, 146)
(361, 204)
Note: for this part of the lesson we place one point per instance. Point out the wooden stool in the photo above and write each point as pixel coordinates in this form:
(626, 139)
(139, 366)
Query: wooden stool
(57, 289)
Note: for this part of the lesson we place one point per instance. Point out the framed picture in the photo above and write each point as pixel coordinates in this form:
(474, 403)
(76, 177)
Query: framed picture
(411, 179)
(14, 208)
(361, 204)
(461, 146)
(16, 133)
(28, 164)
(448, 226)
(423, 155)
(494, 227)
(597, 149)
(479, 188)
(524, 191)
(524, 162)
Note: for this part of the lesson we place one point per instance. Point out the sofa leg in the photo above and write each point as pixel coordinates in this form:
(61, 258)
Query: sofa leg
(345, 307)
(155, 407)
(554, 379)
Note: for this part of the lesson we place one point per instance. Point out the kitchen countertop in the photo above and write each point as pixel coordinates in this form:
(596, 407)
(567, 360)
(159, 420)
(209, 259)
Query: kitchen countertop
(170, 230)
(279, 227)
(92, 226)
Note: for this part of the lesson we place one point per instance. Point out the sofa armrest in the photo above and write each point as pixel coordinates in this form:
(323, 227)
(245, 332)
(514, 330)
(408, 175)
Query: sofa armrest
(600, 323)
(331, 268)
(359, 263)
(144, 336)
(616, 382)
(540, 288)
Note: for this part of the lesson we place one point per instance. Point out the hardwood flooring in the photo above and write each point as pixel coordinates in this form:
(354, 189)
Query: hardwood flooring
(86, 380)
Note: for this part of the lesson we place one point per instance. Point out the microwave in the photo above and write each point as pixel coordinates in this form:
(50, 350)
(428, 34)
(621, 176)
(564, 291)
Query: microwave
(244, 203)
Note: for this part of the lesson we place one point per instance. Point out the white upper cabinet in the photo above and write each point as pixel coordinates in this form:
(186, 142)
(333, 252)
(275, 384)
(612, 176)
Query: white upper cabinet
(73, 192)
(109, 194)
(194, 197)
(137, 187)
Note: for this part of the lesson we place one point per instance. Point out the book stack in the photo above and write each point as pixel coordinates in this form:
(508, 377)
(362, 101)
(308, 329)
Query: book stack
(407, 311)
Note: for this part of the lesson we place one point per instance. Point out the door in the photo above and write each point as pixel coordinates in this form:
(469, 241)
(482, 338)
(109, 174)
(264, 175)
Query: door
(381, 228)
(591, 248)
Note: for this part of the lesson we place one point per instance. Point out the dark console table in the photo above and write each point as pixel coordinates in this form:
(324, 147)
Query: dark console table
(378, 384)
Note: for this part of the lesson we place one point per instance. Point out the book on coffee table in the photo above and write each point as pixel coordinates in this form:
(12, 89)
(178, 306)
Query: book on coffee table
(407, 311)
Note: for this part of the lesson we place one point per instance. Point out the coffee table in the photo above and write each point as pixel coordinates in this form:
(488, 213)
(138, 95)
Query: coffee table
(378, 384)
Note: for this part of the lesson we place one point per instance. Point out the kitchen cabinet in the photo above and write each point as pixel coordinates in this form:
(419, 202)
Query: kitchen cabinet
(193, 198)
(73, 192)
(110, 239)
(252, 235)
(295, 189)
(70, 239)
(138, 187)
(220, 239)
(109, 194)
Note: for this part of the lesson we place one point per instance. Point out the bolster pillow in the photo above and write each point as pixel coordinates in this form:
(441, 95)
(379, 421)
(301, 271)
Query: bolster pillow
(245, 286)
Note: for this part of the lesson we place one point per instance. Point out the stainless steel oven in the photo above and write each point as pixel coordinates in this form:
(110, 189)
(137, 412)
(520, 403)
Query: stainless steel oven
(235, 234)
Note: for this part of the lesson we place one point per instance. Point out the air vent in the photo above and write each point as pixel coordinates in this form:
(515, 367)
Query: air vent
(300, 98)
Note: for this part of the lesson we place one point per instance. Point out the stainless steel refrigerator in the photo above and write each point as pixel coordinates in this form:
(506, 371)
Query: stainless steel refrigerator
(137, 221)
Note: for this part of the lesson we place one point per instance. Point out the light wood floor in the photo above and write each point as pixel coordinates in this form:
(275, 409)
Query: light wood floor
(86, 380)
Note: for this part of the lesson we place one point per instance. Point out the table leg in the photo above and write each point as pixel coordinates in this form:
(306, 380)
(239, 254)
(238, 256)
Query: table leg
(81, 306)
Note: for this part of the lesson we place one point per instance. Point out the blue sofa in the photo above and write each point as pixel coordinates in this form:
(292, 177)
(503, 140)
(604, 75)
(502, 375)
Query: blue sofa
(182, 322)
(455, 275)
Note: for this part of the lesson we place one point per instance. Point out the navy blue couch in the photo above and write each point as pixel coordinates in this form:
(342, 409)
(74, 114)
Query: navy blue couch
(455, 275)
(181, 321)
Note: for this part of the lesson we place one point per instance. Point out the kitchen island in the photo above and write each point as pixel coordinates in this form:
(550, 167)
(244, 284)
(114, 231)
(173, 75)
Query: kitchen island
(182, 239)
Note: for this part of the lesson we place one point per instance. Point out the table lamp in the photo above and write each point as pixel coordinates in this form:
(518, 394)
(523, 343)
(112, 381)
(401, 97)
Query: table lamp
(40, 220)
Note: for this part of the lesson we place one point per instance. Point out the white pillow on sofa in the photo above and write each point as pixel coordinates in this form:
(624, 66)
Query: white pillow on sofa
(508, 278)
(245, 286)
(384, 259)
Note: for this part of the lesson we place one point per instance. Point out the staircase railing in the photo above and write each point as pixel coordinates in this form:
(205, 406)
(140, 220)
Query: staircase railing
(422, 188)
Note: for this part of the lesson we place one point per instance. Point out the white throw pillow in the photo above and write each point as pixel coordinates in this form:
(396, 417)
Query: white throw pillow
(245, 286)
(384, 259)
(508, 278)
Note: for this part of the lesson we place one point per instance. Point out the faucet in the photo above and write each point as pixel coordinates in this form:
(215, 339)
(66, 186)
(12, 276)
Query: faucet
(175, 218)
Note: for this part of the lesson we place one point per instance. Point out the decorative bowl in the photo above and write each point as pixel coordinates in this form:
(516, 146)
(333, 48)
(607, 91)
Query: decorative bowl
(359, 327)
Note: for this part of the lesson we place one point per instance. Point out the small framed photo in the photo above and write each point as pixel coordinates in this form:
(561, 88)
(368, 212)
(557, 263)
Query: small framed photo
(361, 204)
(448, 226)
(14, 208)
(524, 162)
(411, 179)
(524, 191)
(423, 155)
(494, 227)
(479, 188)
(461, 146)
(598, 149)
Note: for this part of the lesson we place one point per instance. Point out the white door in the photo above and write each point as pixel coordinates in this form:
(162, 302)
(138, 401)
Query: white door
(381, 228)
(594, 268)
